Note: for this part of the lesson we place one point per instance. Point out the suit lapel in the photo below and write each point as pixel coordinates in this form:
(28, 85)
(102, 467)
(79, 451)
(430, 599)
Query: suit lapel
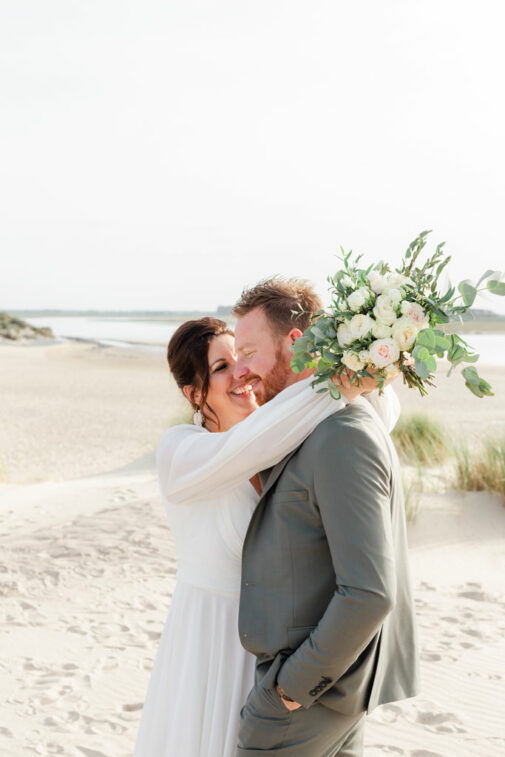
(274, 474)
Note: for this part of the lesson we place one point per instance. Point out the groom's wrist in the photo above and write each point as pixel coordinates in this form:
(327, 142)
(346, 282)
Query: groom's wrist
(283, 694)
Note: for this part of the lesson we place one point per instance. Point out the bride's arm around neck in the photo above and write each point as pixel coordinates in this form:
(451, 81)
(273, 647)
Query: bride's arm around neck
(193, 463)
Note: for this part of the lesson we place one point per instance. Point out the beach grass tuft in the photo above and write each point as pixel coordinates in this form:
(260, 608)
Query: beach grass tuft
(481, 468)
(420, 439)
(412, 490)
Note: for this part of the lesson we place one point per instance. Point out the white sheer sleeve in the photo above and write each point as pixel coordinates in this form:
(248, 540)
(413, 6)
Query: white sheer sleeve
(387, 406)
(193, 462)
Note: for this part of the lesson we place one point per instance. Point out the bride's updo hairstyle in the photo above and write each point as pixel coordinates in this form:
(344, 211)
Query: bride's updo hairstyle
(187, 356)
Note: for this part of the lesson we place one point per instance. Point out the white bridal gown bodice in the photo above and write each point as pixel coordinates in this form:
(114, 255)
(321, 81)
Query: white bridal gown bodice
(202, 675)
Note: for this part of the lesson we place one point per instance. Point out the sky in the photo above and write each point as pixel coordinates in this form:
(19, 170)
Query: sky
(164, 155)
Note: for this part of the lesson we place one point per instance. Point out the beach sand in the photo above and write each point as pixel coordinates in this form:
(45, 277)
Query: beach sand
(87, 564)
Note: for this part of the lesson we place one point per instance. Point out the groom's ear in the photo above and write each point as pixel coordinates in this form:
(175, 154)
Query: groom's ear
(294, 334)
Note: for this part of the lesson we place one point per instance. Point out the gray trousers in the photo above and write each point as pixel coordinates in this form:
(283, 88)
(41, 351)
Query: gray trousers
(267, 727)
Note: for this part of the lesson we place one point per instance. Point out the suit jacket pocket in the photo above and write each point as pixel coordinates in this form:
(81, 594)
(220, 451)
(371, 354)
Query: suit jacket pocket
(297, 635)
(294, 495)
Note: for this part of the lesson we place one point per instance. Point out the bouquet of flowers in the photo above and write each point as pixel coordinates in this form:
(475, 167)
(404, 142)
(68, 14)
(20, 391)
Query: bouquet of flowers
(382, 321)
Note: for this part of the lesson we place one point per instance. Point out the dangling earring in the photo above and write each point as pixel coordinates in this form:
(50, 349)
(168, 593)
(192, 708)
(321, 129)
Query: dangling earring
(198, 418)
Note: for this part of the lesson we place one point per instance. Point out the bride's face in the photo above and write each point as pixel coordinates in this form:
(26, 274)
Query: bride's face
(230, 399)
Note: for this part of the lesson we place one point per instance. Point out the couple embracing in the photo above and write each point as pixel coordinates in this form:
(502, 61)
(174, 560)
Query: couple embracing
(292, 615)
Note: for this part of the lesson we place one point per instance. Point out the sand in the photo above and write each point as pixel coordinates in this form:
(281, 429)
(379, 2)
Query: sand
(87, 567)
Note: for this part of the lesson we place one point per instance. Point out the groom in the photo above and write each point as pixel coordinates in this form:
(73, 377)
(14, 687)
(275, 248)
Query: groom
(326, 603)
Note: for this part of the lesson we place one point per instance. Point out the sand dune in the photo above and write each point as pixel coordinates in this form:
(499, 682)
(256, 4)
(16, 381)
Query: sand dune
(87, 569)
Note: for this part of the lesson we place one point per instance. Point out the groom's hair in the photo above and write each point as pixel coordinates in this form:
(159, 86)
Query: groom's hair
(287, 303)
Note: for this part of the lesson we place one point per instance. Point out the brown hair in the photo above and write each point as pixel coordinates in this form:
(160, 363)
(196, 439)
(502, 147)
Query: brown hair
(287, 303)
(187, 355)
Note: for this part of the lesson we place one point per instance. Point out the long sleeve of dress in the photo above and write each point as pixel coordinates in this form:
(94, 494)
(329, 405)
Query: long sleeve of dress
(193, 462)
(386, 405)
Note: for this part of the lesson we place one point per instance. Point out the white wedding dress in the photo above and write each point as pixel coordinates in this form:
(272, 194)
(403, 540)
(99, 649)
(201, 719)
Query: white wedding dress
(201, 674)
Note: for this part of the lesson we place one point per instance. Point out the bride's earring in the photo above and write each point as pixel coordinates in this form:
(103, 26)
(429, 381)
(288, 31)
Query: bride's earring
(198, 418)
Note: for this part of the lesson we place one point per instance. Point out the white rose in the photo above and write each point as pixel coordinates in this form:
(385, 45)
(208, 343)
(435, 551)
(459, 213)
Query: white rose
(383, 352)
(404, 333)
(360, 325)
(364, 356)
(395, 296)
(398, 279)
(346, 281)
(377, 281)
(384, 310)
(381, 330)
(415, 313)
(352, 361)
(357, 299)
(344, 335)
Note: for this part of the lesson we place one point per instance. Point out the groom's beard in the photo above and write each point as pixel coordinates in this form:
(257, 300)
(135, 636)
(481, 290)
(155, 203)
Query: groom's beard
(276, 380)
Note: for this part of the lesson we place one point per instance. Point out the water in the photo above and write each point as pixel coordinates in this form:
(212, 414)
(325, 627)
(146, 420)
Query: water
(146, 334)
(142, 334)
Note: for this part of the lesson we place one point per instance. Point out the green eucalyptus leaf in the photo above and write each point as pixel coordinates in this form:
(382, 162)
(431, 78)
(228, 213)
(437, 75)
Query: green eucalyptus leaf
(440, 315)
(334, 392)
(420, 353)
(496, 287)
(475, 389)
(442, 341)
(486, 276)
(447, 296)
(468, 292)
(427, 338)
(421, 369)
(471, 375)
(485, 388)
(431, 364)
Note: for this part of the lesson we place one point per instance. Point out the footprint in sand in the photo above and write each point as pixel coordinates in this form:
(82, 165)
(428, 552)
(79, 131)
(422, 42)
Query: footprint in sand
(477, 596)
(92, 752)
(386, 749)
(427, 586)
(424, 753)
(389, 713)
(440, 722)
(437, 657)
(132, 707)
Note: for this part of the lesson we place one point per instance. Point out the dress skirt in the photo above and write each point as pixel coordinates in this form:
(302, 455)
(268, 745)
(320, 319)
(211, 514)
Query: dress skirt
(200, 679)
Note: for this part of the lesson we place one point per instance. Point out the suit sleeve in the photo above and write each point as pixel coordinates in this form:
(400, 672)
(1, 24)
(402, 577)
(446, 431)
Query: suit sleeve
(352, 490)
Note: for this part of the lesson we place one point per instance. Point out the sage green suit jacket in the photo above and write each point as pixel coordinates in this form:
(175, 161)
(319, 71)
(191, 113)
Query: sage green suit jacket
(325, 573)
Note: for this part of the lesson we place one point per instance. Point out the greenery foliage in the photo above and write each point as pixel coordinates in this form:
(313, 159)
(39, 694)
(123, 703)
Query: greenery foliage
(326, 347)
(481, 468)
(420, 438)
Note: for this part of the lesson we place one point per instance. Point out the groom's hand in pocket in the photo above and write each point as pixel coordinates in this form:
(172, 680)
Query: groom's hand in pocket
(288, 703)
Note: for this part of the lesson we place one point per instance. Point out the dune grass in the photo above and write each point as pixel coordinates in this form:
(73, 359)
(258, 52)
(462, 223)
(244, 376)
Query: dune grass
(412, 490)
(481, 468)
(420, 439)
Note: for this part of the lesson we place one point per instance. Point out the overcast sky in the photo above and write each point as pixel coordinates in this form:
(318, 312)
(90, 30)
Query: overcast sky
(164, 154)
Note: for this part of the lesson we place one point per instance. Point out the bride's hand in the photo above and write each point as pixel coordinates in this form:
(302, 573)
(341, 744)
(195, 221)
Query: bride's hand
(363, 384)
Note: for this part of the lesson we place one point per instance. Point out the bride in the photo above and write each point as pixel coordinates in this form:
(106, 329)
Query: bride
(202, 674)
